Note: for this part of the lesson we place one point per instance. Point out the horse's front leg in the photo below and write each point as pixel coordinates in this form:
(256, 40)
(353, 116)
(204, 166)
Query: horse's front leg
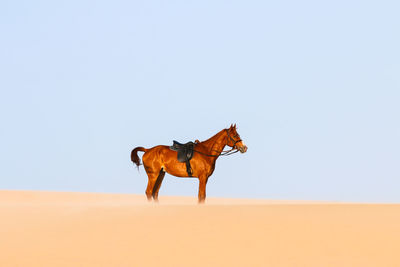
(202, 189)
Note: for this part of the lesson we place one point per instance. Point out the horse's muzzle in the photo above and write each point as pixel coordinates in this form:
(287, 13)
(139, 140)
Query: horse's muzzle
(242, 149)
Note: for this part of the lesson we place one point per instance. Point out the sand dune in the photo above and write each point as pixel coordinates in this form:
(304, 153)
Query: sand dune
(88, 229)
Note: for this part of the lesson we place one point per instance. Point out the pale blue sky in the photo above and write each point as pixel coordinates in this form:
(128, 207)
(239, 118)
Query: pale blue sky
(314, 87)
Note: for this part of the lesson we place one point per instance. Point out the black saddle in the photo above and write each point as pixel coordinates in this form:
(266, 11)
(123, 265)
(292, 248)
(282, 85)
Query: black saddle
(185, 153)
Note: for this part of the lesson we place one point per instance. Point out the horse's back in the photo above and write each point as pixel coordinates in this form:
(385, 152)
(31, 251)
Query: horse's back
(158, 153)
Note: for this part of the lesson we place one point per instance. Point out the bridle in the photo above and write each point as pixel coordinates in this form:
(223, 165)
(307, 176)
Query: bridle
(233, 140)
(233, 150)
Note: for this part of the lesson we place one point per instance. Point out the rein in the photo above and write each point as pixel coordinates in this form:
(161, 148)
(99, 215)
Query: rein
(224, 153)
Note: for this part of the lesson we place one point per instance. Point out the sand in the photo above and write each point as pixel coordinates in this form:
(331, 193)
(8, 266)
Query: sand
(88, 229)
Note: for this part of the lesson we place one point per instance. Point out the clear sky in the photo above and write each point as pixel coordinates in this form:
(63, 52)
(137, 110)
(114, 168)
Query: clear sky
(314, 87)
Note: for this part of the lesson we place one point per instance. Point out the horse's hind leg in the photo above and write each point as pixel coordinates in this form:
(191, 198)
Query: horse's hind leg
(158, 183)
(152, 176)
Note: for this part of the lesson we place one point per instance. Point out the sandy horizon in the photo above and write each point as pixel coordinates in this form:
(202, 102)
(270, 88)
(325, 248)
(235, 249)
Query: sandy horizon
(40, 228)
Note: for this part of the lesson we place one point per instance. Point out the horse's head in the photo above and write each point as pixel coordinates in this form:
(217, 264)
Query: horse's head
(234, 140)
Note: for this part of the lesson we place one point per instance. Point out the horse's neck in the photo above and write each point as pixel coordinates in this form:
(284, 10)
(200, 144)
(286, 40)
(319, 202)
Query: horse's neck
(216, 143)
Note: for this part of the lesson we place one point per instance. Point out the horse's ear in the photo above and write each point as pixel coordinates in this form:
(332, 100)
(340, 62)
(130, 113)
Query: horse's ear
(234, 126)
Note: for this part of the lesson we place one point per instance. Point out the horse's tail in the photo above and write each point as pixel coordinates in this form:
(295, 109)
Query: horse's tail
(134, 157)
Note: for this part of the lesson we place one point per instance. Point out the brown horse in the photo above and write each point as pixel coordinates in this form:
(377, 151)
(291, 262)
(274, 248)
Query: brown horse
(160, 159)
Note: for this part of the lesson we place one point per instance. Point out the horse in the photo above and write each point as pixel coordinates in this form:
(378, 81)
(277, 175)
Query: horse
(161, 159)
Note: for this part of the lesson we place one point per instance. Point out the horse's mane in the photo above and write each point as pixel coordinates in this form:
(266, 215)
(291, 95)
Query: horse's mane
(214, 136)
